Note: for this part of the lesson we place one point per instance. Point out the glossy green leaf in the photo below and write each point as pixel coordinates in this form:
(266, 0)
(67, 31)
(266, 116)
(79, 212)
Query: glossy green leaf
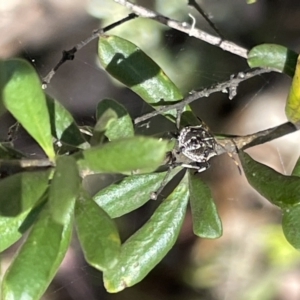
(131, 66)
(206, 221)
(273, 56)
(123, 155)
(291, 225)
(26, 101)
(188, 118)
(146, 248)
(296, 170)
(292, 108)
(119, 127)
(129, 194)
(38, 260)
(12, 228)
(63, 126)
(281, 190)
(108, 117)
(19, 193)
(64, 188)
(97, 233)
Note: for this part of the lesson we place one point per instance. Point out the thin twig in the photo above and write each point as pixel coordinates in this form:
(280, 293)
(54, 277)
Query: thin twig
(265, 136)
(194, 4)
(225, 145)
(25, 163)
(234, 143)
(70, 54)
(186, 28)
(228, 86)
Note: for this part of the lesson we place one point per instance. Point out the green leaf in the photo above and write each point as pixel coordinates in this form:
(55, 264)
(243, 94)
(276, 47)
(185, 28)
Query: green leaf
(281, 190)
(273, 56)
(19, 194)
(105, 120)
(131, 66)
(206, 221)
(97, 233)
(291, 225)
(129, 194)
(63, 126)
(292, 108)
(146, 248)
(12, 228)
(123, 155)
(118, 127)
(64, 188)
(21, 191)
(38, 260)
(188, 118)
(24, 98)
(296, 170)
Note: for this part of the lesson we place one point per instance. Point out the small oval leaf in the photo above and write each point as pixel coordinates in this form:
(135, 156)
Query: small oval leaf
(296, 170)
(146, 248)
(122, 126)
(291, 225)
(281, 190)
(64, 189)
(131, 66)
(97, 233)
(38, 260)
(24, 98)
(206, 221)
(123, 156)
(273, 56)
(21, 191)
(63, 126)
(13, 228)
(129, 194)
(292, 108)
(106, 119)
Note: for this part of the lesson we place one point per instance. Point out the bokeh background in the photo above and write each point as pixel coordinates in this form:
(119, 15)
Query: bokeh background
(252, 260)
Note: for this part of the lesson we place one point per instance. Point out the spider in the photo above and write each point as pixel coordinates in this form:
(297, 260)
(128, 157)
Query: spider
(197, 145)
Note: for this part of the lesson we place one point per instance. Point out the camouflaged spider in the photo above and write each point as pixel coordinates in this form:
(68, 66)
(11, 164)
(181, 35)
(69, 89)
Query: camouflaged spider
(197, 144)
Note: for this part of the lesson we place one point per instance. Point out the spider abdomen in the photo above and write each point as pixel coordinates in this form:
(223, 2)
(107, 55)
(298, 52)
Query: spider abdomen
(197, 143)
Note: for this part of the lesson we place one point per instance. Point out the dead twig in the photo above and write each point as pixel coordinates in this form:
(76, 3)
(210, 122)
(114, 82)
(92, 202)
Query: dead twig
(233, 143)
(186, 28)
(199, 9)
(229, 86)
(70, 54)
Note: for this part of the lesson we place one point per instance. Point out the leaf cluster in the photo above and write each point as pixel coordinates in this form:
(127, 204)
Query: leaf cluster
(49, 201)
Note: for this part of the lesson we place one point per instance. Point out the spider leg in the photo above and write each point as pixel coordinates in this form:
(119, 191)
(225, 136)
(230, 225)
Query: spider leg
(153, 195)
(178, 117)
(234, 160)
(203, 166)
(198, 166)
(172, 164)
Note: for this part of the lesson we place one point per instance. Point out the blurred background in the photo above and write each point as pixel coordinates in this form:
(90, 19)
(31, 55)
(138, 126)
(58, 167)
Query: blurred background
(252, 260)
